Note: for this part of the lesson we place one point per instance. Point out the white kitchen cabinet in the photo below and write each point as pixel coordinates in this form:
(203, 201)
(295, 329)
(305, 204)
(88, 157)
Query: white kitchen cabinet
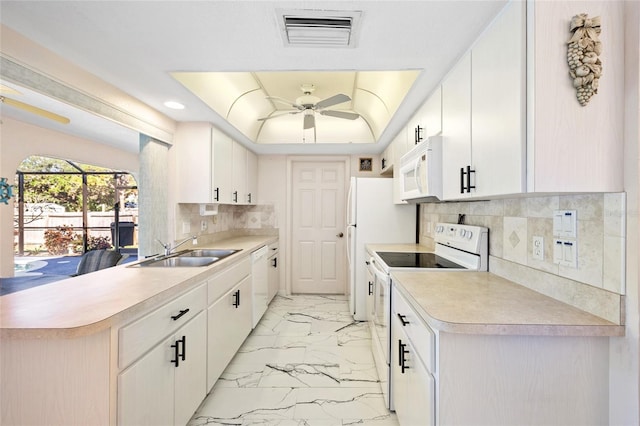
(193, 148)
(167, 384)
(370, 293)
(412, 383)
(455, 378)
(387, 160)
(212, 168)
(456, 126)
(244, 175)
(251, 196)
(432, 113)
(400, 146)
(483, 113)
(222, 167)
(229, 315)
(260, 282)
(274, 271)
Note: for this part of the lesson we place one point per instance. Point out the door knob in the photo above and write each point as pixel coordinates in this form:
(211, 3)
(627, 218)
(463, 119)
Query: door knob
(340, 235)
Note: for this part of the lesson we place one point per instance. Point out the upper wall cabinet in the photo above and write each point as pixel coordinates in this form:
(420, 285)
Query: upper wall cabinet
(574, 148)
(483, 113)
(212, 168)
(432, 113)
(194, 162)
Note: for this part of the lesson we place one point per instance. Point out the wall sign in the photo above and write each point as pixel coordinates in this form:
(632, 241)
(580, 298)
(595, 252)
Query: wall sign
(366, 164)
(583, 51)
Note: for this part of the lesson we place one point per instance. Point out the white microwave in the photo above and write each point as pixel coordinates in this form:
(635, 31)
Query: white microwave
(421, 171)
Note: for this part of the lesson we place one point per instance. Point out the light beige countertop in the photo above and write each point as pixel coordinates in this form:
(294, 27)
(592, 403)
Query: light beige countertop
(418, 248)
(88, 303)
(484, 303)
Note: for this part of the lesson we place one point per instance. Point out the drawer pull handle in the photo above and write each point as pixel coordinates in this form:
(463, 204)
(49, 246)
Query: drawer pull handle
(181, 313)
(401, 353)
(403, 320)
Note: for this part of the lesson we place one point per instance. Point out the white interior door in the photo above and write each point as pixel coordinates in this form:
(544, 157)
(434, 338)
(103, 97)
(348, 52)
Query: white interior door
(318, 259)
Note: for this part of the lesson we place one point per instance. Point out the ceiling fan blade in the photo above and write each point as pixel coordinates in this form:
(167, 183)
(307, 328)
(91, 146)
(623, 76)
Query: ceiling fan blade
(279, 115)
(333, 100)
(286, 102)
(341, 114)
(34, 110)
(309, 121)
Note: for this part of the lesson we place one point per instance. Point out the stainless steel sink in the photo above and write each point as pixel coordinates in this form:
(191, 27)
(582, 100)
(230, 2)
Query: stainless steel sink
(179, 261)
(219, 253)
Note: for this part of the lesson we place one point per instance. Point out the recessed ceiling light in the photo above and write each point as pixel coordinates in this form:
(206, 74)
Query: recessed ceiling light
(174, 105)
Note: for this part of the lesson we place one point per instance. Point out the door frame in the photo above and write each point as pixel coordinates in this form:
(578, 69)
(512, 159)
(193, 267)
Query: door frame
(346, 160)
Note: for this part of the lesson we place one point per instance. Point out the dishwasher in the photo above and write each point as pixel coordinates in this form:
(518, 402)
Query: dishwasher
(259, 282)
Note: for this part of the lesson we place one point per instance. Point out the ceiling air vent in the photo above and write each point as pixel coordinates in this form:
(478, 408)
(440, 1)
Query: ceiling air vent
(319, 28)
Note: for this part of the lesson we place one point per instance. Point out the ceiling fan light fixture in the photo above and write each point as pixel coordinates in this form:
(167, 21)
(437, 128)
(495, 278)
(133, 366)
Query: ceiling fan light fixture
(319, 28)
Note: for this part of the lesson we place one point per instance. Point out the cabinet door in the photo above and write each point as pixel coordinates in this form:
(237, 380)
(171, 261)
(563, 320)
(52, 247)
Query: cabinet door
(498, 105)
(190, 375)
(192, 144)
(239, 173)
(370, 286)
(432, 113)
(222, 166)
(420, 391)
(274, 277)
(146, 389)
(399, 379)
(228, 326)
(456, 126)
(251, 196)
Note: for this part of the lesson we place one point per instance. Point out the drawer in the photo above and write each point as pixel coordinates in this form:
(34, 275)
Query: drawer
(222, 282)
(421, 335)
(273, 248)
(138, 337)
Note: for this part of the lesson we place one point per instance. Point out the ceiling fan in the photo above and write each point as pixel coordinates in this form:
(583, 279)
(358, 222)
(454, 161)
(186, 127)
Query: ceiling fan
(28, 107)
(309, 105)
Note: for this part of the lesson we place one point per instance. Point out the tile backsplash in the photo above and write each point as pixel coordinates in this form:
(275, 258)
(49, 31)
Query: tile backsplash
(597, 282)
(230, 220)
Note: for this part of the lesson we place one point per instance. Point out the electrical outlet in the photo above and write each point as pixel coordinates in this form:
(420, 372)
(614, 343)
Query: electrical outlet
(203, 225)
(538, 248)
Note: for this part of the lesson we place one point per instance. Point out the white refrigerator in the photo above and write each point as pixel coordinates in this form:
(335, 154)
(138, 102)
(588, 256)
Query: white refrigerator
(372, 218)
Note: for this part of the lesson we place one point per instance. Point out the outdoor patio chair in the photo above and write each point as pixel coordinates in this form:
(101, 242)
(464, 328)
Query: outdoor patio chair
(95, 260)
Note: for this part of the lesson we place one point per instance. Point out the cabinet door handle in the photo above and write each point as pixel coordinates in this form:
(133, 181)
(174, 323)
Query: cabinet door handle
(383, 163)
(181, 313)
(402, 353)
(275, 263)
(468, 187)
(183, 355)
(236, 297)
(249, 198)
(176, 353)
(235, 196)
(403, 320)
(217, 194)
(370, 288)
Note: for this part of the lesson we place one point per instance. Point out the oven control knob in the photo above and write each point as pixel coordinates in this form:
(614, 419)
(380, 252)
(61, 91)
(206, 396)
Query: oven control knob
(469, 235)
(462, 233)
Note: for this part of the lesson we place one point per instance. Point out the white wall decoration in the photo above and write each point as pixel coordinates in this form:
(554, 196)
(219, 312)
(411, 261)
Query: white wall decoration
(583, 51)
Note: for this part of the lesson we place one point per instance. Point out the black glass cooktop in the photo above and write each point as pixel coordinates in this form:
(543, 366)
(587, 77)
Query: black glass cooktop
(416, 260)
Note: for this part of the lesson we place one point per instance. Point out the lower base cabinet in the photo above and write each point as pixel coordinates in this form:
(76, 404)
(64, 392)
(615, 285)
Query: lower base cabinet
(446, 378)
(229, 323)
(166, 385)
(413, 386)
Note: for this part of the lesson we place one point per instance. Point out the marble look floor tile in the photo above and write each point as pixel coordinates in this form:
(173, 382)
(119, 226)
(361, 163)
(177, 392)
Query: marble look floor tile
(342, 403)
(301, 375)
(233, 406)
(240, 375)
(307, 363)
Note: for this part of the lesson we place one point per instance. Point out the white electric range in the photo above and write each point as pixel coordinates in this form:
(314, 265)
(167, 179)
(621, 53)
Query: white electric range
(458, 247)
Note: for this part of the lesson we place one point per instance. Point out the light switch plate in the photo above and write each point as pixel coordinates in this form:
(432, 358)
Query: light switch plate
(565, 223)
(565, 252)
(186, 227)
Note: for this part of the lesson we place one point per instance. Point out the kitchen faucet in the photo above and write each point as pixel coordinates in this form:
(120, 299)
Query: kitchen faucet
(168, 249)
